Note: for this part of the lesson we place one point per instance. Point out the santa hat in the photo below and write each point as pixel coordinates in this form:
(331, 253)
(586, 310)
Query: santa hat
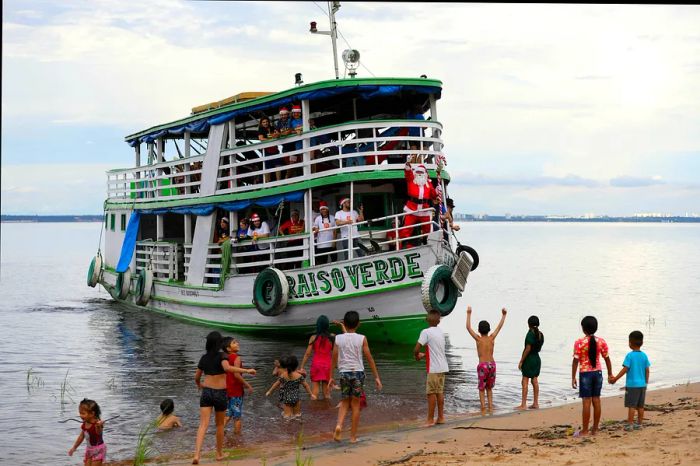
(254, 217)
(296, 108)
(283, 111)
(343, 201)
(323, 205)
(420, 168)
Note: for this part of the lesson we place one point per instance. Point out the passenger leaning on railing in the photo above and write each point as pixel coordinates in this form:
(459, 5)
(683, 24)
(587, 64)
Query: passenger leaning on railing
(324, 235)
(347, 217)
(258, 230)
(265, 133)
(293, 226)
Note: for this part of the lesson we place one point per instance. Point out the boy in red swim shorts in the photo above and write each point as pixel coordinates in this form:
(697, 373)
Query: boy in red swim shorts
(486, 369)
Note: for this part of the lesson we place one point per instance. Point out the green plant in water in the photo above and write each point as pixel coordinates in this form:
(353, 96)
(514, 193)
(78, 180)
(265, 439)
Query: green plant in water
(111, 384)
(33, 381)
(66, 389)
(298, 460)
(144, 443)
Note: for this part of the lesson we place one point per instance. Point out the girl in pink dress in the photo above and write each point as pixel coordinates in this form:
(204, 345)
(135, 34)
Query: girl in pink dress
(321, 344)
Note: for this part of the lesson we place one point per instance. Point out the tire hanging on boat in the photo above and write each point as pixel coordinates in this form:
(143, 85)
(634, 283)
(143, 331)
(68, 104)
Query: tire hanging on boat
(121, 288)
(94, 271)
(437, 290)
(144, 284)
(270, 292)
(472, 253)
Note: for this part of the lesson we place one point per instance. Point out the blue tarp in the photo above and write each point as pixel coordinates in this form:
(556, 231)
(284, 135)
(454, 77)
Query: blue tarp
(132, 233)
(269, 201)
(364, 92)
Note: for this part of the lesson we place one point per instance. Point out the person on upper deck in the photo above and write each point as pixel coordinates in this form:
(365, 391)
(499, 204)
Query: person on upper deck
(223, 231)
(265, 133)
(296, 125)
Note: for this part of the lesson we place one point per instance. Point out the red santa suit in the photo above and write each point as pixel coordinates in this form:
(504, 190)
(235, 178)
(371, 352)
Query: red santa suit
(419, 197)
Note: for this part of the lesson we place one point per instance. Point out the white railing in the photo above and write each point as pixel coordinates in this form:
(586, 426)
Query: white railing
(351, 147)
(165, 259)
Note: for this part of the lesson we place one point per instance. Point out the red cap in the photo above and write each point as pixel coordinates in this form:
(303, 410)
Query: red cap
(323, 205)
(296, 108)
(419, 168)
(254, 217)
(283, 110)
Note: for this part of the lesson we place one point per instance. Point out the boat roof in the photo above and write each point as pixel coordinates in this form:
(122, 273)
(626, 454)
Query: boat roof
(219, 112)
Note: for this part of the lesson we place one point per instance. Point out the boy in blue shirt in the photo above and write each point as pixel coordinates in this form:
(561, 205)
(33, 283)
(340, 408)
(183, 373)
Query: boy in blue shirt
(636, 366)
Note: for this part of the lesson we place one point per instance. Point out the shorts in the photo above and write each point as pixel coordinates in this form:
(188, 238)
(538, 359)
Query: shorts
(435, 383)
(96, 452)
(273, 163)
(213, 397)
(351, 384)
(487, 375)
(235, 407)
(635, 396)
(590, 384)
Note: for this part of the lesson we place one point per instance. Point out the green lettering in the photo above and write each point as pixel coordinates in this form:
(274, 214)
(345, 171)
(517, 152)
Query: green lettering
(398, 271)
(292, 284)
(312, 282)
(338, 279)
(380, 269)
(352, 273)
(365, 274)
(325, 282)
(413, 269)
(303, 286)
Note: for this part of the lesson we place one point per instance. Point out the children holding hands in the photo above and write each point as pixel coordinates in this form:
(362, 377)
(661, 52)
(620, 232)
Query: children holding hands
(636, 367)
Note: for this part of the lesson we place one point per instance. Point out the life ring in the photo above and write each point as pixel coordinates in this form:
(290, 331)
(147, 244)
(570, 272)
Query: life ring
(121, 288)
(94, 271)
(472, 253)
(270, 292)
(437, 290)
(144, 284)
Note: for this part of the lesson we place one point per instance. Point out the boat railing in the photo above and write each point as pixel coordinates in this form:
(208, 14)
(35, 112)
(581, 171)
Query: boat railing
(164, 258)
(351, 147)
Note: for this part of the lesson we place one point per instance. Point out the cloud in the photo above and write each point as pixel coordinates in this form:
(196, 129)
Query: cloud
(635, 182)
(533, 182)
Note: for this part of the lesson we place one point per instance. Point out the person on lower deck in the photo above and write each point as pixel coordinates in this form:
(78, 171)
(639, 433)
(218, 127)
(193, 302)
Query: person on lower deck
(325, 233)
(486, 370)
(347, 217)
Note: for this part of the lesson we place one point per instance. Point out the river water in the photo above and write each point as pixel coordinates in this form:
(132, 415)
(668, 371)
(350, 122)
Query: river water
(64, 341)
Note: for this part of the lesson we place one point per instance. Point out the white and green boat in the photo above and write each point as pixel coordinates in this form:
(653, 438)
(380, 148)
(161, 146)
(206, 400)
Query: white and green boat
(161, 216)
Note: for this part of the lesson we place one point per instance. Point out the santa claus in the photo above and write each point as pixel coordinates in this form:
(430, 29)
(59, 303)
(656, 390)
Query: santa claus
(421, 195)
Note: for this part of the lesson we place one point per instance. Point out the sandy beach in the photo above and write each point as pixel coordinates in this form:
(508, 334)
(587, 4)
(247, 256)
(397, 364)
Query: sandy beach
(544, 436)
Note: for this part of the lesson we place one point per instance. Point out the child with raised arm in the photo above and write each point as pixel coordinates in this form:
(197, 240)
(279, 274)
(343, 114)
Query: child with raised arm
(91, 428)
(587, 352)
(486, 370)
(235, 384)
(433, 338)
(347, 356)
(167, 419)
(290, 380)
(530, 362)
(636, 366)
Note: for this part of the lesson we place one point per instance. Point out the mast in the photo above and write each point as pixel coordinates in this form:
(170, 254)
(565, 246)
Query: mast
(332, 8)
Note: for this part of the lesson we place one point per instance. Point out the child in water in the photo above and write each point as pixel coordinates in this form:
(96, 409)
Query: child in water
(321, 344)
(486, 370)
(235, 384)
(530, 362)
(96, 450)
(587, 352)
(290, 379)
(167, 419)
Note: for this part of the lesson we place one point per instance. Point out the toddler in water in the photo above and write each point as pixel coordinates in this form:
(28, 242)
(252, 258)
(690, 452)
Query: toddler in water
(486, 369)
(96, 450)
(290, 379)
(530, 363)
(636, 366)
(167, 419)
(587, 352)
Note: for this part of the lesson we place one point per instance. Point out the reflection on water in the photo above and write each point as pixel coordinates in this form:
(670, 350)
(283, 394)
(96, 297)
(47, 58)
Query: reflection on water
(78, 343)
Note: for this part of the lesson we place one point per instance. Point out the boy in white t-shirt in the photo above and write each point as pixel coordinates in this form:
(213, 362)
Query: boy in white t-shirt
(433, 338)
(347, 356)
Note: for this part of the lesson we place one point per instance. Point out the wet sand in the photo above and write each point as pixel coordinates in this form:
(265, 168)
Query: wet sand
(544, 436)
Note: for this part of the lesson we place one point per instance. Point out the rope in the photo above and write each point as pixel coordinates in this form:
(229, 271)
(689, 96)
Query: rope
(225, 262)
(277, 228)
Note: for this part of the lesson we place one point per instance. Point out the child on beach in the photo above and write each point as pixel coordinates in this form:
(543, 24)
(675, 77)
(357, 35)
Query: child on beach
(290, 379)
(167, 420)
(235, 383)
(433, 338)
(92, 425)
(321, 344)
(587, 352)
(347, 356)
(486, 370)
(530, 363)
(636, 366)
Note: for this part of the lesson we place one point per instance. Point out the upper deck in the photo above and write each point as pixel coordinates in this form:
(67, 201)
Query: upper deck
(352, 129)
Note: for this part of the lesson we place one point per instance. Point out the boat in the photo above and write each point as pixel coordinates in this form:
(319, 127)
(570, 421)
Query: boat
(167, 248)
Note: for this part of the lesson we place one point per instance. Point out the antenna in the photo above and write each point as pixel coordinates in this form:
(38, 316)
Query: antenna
(351, 58)
(332, 8)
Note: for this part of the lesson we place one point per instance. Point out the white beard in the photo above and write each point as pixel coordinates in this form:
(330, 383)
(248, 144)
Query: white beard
(420, 179)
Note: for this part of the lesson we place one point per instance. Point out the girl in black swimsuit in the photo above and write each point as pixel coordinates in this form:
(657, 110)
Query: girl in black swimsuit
(290, 381)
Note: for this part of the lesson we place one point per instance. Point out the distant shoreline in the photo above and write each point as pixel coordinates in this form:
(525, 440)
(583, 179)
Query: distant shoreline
(458, 218)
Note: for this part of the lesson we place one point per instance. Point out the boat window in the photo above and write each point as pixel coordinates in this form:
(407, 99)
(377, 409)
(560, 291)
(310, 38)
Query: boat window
(147, 227)
(112, 221)
(375, 206)
(106, 220)
(123, 222)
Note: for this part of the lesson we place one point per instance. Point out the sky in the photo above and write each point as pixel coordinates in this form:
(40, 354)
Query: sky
(558, 109)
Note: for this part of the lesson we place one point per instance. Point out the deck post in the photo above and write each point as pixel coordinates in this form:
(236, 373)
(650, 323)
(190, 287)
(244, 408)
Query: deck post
(306, 157)
(188, 152)
(159, 227)
(308, 206)
(351, 253)
(433, 117)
